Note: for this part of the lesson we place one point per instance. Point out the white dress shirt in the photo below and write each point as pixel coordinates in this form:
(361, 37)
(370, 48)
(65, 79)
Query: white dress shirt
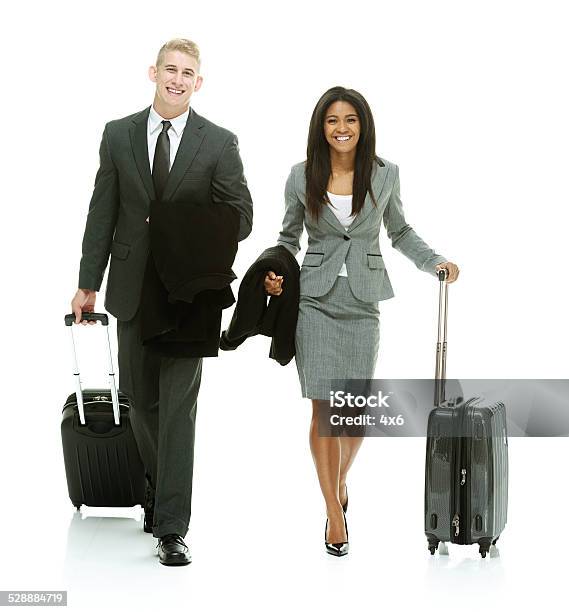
(342, 208)
(174, 133)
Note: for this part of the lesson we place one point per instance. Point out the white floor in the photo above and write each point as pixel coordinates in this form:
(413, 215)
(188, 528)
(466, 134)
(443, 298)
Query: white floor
(254, 549)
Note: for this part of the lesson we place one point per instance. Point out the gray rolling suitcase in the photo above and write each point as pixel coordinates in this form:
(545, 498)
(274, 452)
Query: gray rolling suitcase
(102, 463)
(466, 475)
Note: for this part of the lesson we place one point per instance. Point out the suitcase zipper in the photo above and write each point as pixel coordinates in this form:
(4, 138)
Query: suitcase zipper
(458, 462)
(456, 525)
(95, 400)
(460, 494)
(465, 508)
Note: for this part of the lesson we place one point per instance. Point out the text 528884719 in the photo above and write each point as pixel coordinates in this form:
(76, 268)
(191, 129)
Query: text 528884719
(33, 598)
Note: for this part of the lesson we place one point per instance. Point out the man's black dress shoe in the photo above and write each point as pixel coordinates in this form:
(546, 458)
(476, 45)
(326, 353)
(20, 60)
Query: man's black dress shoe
(172, 550)
(148, 512)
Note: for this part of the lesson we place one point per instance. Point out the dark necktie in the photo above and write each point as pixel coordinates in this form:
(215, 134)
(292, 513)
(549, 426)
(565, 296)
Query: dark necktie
(161, 164)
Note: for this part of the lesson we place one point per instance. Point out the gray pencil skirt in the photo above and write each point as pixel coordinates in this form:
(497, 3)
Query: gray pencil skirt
(337, 337)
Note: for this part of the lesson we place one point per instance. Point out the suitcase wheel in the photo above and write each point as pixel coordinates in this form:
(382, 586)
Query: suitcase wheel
(485, 544)
(77, 507)
(494, 542)
(433, 543)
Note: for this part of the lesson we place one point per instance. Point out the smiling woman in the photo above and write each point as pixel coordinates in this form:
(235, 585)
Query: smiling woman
(341, 195)
(341, 128)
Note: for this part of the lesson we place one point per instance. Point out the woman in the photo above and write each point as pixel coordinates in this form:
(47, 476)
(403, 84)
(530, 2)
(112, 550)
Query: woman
(341, 194)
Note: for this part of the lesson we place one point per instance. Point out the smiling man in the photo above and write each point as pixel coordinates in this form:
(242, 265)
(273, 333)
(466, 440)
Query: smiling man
(166, 152)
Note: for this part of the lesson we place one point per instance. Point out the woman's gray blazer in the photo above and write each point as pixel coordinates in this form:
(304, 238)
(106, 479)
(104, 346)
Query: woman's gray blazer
(329, 244)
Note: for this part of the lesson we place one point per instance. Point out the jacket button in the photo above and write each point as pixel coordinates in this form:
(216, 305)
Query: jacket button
(346, 237)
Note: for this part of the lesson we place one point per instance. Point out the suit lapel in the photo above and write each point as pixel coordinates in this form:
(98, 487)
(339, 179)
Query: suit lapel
(331, 219)
(325, 213)
(192, 138)
(139, 143)
(378, 181)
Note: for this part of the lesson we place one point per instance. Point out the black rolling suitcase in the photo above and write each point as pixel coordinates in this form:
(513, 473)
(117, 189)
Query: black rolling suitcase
(102, 462)
(466, 475)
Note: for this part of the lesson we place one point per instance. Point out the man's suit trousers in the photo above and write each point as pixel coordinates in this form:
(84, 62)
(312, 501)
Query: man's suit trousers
(163, 394)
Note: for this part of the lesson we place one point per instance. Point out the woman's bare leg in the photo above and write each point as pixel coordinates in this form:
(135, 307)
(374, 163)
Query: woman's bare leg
(326, 453)
(349, 448)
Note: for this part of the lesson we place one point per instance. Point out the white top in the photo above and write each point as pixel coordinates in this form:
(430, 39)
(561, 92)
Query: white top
(342, 208)
(174, 133)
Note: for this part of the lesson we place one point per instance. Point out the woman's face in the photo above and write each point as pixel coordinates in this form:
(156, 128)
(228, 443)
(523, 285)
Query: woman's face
(342, 127)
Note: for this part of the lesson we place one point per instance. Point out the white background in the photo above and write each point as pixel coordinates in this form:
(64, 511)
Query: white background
(470, 100)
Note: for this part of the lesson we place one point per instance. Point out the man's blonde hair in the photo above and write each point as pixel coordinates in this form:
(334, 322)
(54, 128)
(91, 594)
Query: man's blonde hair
(179, 44)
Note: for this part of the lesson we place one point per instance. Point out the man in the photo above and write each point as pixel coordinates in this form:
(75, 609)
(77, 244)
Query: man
(166, 152)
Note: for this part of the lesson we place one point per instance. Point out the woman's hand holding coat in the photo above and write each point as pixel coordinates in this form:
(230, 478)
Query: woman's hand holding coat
(273, 283)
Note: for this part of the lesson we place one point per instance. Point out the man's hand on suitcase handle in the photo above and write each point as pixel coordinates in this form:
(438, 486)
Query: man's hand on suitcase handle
(83, 301)
(452, 270)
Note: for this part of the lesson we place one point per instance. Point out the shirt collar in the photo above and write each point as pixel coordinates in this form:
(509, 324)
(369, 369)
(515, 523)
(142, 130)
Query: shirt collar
(178, 123)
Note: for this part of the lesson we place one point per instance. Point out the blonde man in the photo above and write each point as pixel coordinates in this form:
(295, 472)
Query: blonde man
(165, 152)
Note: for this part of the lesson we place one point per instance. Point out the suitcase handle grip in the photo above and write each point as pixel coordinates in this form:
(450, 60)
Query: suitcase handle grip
(442, 274)
(88, 316)
(97, 429)
(104, 318)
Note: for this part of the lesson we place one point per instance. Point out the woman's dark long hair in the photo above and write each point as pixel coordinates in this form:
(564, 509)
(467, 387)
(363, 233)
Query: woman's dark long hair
(318, 166)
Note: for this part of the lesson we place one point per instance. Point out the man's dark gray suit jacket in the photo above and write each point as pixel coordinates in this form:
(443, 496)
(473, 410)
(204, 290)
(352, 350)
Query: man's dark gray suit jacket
(207, 170)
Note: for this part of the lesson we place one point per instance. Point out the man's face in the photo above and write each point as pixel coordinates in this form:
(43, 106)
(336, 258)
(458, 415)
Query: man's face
(176, 80)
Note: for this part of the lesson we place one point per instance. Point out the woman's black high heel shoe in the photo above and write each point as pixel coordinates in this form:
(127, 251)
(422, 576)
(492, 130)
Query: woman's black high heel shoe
(338, 549)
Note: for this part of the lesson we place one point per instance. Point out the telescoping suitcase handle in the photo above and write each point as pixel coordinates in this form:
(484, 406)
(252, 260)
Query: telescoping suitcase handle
(104, 319)
(441, 357)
